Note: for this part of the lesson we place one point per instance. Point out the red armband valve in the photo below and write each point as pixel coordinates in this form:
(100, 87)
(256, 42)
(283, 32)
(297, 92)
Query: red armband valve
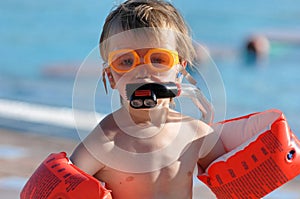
(258, 166)
(57, 178)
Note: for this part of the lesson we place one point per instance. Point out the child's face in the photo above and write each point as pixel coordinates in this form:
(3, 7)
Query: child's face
(141, 47)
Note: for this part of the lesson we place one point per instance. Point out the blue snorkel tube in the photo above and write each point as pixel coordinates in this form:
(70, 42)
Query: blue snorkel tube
(200, 101)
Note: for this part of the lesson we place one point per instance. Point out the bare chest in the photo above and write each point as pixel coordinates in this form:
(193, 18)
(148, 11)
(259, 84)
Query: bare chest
(173, 181)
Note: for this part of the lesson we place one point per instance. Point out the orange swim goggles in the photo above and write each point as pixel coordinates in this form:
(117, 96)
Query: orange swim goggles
(125, 60)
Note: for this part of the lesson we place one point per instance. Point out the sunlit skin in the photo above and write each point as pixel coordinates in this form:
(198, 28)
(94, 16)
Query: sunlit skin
(171, 181)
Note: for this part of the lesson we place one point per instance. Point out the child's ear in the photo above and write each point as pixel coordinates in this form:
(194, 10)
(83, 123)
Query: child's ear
(110, 77)
(111, 80)
(183, 63)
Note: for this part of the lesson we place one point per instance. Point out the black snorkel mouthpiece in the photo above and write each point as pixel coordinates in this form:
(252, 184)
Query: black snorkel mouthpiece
(145, 95)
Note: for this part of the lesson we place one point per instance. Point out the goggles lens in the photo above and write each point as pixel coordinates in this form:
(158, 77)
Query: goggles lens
(125, 60)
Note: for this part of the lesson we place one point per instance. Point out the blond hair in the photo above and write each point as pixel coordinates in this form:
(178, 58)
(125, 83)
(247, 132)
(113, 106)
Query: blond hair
(136, 14)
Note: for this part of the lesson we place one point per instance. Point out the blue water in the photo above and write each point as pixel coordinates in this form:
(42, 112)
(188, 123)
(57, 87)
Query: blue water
(37, 36)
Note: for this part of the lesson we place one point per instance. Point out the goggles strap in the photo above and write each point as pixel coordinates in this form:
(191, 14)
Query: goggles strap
(104, 71)
(104, 80)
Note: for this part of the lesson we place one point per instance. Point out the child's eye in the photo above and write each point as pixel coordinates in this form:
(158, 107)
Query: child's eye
(124, 61)
(160, 58)
(157, 61)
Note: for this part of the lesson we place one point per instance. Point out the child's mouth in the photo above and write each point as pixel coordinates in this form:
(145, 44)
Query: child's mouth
(145, 95)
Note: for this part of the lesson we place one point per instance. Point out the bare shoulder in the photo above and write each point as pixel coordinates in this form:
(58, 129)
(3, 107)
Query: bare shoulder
(194, 125)
(85, 154)
(107, 127)
(210, 145)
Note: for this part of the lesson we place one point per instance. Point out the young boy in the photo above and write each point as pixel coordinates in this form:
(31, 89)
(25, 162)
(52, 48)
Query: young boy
(146, 153)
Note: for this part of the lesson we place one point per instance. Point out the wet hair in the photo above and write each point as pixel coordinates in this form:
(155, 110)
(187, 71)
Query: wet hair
(154, 14)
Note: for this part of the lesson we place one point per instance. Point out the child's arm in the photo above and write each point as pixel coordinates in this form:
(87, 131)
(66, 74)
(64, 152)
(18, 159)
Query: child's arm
(56, 177)
(261, 155)
(212, 148)
(83, 159)
(85, 154)
(230, 134)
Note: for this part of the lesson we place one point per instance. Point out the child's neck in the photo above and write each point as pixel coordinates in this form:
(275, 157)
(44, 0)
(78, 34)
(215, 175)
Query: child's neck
(154, 116)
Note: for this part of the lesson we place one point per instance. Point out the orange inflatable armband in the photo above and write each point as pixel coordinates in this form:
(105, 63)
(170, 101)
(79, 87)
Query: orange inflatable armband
(257, 167)
(57, 178)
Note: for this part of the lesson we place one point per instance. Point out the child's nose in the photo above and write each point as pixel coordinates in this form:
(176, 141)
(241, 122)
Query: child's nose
(143, 71)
